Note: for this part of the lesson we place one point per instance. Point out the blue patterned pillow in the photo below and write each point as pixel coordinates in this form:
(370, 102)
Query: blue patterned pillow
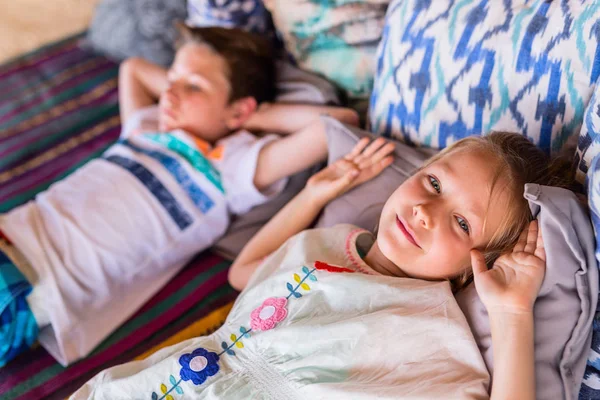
(588, 146)
(335, 38)
(449, 69)
(590, 388)
(250, 15)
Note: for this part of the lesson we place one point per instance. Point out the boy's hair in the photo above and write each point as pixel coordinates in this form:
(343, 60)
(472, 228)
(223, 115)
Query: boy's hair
(250, 59)
(518, 162)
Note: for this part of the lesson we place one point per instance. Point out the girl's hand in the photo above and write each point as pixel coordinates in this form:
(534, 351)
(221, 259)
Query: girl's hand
(364, 162)
(513, 283)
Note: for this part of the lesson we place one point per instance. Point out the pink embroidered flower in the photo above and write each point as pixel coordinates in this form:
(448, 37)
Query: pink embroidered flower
(270, 313)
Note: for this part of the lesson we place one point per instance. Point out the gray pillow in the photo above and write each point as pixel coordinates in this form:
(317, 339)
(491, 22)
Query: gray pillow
(565, 307)
(294, 85)
(143, 28)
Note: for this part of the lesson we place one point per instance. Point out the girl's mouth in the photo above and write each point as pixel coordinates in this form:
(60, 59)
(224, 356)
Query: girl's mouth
(409, 236)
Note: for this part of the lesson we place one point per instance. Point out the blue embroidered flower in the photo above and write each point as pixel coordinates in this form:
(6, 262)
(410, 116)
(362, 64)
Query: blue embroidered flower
(198, 365)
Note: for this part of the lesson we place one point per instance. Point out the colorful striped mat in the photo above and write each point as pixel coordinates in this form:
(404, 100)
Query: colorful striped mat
(59, 109)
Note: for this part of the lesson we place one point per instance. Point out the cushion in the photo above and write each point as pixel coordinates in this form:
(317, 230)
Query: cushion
(250, 15)
(143, 28)
(590, 388)
(588, 145)
(294, 85)
(468, 67)
(564, 310)
(337, 39)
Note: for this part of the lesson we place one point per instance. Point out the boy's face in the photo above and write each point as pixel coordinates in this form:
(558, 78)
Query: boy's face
(196, 99)
(431, 222)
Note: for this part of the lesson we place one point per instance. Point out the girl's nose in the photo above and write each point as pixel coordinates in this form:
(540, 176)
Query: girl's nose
(423, 215)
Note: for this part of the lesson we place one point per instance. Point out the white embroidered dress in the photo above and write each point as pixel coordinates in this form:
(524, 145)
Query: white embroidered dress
(316, 322)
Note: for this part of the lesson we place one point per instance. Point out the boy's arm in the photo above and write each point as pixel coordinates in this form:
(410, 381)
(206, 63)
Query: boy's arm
(306, 146)
(291, 154)
(363, 163)
(140, 85)
(285, 118)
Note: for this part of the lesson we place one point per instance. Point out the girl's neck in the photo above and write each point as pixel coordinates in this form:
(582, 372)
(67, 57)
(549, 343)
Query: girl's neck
(379, 263)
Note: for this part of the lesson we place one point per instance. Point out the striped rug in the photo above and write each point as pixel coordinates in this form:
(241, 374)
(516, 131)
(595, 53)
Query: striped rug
(59, 109)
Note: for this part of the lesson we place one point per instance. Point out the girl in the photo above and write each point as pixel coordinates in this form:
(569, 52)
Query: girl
(337, 314)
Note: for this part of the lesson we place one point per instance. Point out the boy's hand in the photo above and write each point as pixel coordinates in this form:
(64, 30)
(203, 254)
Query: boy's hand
(512, 285)
(364, 162)
(140, 85)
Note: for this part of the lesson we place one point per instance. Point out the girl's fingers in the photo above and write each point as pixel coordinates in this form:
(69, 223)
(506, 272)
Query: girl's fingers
(373, 147)
(532, 237)
(381, 165)
(520, 246)
(357, 149)
(478, 263)
(345, 181)
(540, 251)
(383, 152)
(370, 150)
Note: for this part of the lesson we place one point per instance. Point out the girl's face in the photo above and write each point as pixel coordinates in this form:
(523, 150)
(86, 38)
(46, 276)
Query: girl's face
(196, 99)
(431, 222)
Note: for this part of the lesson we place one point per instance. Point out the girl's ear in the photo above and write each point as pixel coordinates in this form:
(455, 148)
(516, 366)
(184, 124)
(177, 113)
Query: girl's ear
(239, 112)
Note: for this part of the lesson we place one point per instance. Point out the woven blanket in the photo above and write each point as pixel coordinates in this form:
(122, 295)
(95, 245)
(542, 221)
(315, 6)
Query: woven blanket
(58, 110)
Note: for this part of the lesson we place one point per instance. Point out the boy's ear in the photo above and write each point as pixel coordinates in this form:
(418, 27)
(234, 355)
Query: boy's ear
(240, 111)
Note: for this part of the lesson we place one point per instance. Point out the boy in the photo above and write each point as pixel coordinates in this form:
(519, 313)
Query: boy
(97, 245)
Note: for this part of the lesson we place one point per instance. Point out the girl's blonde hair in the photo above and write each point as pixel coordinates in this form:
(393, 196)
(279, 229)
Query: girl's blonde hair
(518, 162)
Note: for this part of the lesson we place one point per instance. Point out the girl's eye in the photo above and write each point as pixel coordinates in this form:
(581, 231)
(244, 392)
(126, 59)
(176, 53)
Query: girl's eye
(435, 184)
(463, 224)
